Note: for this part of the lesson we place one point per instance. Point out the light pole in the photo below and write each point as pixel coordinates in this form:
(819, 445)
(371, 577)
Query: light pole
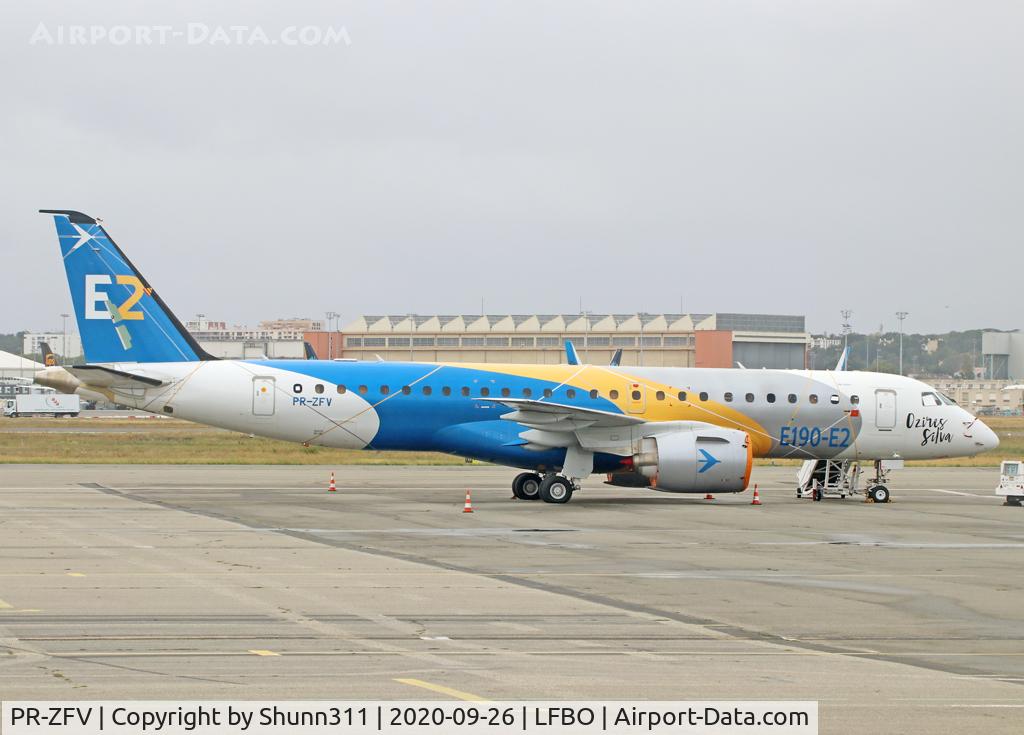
(64, 336)
(900, 316)
(330, 334)
(586, 349)
(642, 314)
(412, 324)
(846, 314)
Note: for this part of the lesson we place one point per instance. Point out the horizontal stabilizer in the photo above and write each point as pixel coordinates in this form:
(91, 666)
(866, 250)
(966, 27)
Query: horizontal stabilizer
(105, 377)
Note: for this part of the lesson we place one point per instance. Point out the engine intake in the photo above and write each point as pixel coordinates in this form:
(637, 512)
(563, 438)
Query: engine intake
(697, 461)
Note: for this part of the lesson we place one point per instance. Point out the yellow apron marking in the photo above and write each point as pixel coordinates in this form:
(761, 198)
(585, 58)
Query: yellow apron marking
(5, 605)
(263, 652)
(75, 574)
(447, 691)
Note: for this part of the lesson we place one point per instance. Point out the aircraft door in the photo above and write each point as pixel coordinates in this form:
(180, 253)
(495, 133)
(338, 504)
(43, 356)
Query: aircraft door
(636, 398)
(885, 410)
(263, 396)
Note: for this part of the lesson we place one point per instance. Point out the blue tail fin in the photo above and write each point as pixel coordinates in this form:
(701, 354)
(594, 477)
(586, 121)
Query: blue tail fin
(120, 316)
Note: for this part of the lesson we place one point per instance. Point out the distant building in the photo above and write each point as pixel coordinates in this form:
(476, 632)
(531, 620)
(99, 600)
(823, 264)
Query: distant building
(274, 339)
(825, 342)
(982, 395)
(32, 341)
(1003, 355)
(681, 340)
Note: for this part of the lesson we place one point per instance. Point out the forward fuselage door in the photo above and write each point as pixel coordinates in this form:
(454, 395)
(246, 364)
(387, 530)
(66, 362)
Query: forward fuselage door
(885, 410)
(263, 396)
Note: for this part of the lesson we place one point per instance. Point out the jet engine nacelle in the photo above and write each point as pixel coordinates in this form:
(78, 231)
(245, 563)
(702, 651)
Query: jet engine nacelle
(699, 461)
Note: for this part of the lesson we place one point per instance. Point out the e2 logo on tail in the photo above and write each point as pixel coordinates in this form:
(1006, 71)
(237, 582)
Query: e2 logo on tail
(96, 300)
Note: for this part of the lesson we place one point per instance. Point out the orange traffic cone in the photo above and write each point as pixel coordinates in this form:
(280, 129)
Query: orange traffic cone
(757, 498)
(709, 496)
(468, 508)
(332, 488)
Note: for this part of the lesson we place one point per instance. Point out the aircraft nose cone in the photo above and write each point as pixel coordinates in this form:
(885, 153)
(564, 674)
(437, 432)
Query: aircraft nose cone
(985, 437)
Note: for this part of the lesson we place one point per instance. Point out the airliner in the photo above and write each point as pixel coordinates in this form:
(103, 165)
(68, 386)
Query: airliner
(677, 430)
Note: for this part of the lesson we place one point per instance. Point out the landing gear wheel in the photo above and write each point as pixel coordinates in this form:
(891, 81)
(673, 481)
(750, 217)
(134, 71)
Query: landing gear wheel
(556, 489)
(879, 494)
(527, 486)
(1014, 500)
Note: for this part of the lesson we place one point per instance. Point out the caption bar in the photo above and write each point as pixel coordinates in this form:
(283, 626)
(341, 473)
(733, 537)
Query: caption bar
(407, 717)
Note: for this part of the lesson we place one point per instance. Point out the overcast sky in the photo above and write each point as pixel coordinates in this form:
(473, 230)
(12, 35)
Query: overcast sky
(780, 157)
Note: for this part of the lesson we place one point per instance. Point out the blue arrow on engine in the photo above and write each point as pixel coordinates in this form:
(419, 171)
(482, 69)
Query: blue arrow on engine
(708, 462)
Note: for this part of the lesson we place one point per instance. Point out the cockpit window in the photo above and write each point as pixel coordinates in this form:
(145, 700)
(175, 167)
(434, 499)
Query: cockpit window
(947, 400)
(930, 399)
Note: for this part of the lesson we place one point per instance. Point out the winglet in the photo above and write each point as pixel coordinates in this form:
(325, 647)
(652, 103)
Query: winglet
(570, 353)
(616, 358)
(841, 365)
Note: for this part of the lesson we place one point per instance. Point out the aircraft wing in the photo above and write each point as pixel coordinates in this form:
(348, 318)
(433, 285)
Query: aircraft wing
(559, 416)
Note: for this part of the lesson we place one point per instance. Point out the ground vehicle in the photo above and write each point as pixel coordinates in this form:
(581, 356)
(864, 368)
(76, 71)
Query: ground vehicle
(42, 404)
(1011, 482)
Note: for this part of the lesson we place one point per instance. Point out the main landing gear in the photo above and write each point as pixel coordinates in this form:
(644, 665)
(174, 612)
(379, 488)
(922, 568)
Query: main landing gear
(527, 486)
(551, 488)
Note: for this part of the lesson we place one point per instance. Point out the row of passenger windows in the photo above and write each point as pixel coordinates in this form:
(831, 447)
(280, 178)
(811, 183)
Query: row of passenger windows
(613, 394)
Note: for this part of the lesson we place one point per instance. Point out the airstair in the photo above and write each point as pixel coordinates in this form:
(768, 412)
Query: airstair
(828, 478)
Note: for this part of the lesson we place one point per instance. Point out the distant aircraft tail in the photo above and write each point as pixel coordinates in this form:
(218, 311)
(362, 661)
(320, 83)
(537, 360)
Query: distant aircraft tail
(310, 352)
(49, 359)
(120, 317)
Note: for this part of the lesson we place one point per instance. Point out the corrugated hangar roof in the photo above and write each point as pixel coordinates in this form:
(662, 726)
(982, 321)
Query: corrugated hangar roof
(510, 323)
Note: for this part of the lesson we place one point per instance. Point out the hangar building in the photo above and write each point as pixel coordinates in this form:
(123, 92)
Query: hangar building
(678, 340)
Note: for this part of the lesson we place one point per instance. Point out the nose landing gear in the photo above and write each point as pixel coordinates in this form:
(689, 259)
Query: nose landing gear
(877, 491)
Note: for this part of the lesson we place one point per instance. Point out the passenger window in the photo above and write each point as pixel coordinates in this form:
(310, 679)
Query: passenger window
(363, 389)
(728, 397)
(505, 392)
(570, 393)
(749, 397)
(446, 391)
(297, 387)
(406, 390)
(703, 396)
(465, 391)
(660, 395)
(791, 398)
(770, 398)
(527, 392)
(485, 391)
(427, 390)
(682, 395)
(929, 399)
(593, 393)
(342, 389)
(319, 388)
(613, 394)
(547, 393)
(813, 398)
(384, 390)
(636, 395)
(854, 400)
(834, 399)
